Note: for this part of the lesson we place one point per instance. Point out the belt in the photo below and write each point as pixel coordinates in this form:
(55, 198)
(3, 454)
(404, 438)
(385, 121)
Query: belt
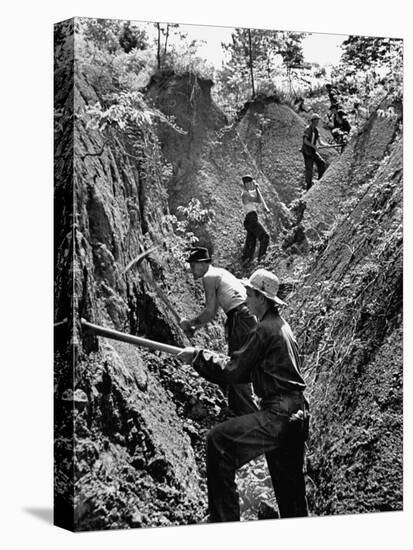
(235, 309)
(275, 399)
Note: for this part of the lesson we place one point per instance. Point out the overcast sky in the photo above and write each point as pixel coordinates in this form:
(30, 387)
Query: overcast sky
(320, 48)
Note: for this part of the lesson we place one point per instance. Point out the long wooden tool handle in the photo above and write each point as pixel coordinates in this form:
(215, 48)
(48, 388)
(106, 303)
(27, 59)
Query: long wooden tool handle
(136, 340)
(261, 197)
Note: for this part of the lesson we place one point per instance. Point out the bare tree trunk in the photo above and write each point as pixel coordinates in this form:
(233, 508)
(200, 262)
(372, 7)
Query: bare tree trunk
(166, 41)
(158, 53)
(250, 63)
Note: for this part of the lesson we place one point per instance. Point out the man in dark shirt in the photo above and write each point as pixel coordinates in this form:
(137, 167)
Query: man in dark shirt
(270, 360)
(340, 127)
(311, 138)
(333, 94)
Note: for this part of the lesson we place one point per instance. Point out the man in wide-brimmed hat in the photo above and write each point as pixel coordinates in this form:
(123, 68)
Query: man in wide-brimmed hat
(271, 360)
(223, 290)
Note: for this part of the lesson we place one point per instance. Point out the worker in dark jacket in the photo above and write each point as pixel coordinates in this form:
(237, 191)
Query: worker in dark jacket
(311, 138)
(270, 359)
(333, 94)
(340, 126)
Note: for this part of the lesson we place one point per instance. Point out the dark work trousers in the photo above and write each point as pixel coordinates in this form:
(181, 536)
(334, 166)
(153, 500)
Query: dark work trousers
(309, 159)
(254, 231)
(273, 431)
(238, 324)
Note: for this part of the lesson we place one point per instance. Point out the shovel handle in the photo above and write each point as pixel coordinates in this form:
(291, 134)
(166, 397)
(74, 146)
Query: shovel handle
(135, 340)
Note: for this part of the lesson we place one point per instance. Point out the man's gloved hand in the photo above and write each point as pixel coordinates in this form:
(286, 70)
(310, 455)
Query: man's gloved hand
(186, 355)
(186, 326)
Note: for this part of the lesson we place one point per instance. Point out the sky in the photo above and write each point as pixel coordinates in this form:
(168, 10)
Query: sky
(319, 48)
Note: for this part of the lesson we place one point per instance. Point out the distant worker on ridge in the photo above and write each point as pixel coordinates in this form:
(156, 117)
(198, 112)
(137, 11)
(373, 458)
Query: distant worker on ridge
(251, 197)
(224, 290)
(311, 138)
(299, 104)
(333, 94)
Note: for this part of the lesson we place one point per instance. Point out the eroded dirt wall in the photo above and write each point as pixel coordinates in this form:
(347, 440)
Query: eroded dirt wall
(355, 167)
(209, 160)
(132, 461)
(347, 311)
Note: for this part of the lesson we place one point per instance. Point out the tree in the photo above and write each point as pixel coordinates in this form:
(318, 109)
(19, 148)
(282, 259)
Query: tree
(166, 33)
(163, 31)
(131, 37)
(363, 51)
(254, 54)
(102, 33)
(370, 70)
(251, 62)
(158, 45)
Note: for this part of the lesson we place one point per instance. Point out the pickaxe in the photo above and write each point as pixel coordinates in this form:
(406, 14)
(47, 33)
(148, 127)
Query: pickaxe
(138, 259)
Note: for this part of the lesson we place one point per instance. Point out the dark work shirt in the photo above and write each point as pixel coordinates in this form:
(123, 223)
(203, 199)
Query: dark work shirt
(312, 135)
(345, 125)
(341, 123)
(269, 359)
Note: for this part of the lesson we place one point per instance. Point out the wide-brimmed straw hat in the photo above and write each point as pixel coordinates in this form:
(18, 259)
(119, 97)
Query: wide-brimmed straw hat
(266, 283)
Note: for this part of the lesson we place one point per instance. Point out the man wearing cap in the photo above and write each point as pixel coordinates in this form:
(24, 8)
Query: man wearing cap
(224, 290)
(251, 198)
(311, 138)
(270, 359)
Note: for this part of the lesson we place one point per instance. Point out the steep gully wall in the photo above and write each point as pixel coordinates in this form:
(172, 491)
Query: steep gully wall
(132, 458)
(137, 431)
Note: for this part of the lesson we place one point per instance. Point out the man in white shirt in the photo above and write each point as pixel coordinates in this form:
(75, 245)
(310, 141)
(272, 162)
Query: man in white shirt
(223, 290)
(251, 198)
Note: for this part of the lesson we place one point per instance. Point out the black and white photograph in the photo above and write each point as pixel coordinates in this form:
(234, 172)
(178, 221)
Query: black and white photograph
(228, 255)
(205, 275)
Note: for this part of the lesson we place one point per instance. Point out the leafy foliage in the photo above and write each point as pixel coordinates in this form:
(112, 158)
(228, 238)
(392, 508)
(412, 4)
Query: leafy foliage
(127, 108)
(103, 33)
(255, 58)
(370, 70)
(195, 214)
(183, 238)
(180, 56)
(363, 51)
(132, 37)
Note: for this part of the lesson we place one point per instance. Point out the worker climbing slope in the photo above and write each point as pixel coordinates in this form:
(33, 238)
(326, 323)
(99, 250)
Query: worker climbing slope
(339, 125)
(311, 139)
(251, 198)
